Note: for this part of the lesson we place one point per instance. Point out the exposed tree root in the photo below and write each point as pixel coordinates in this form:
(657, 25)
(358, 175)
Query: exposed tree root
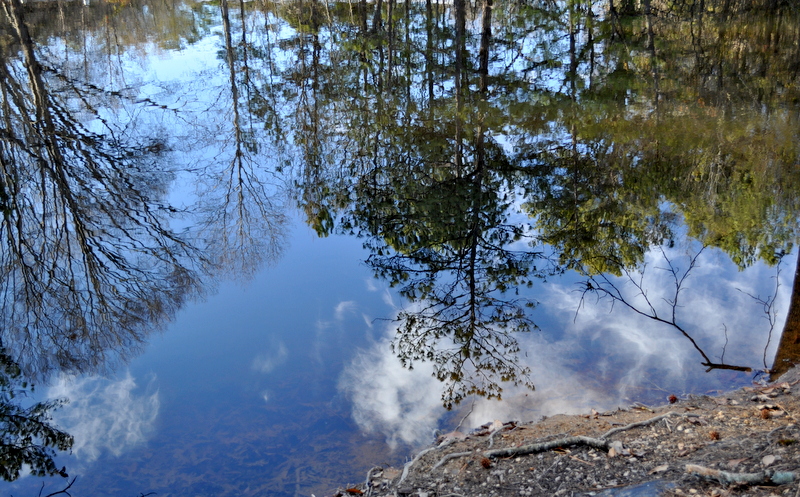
(761, 478)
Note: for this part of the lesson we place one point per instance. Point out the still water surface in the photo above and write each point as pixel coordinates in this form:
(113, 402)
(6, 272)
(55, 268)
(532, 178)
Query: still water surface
(228, 228)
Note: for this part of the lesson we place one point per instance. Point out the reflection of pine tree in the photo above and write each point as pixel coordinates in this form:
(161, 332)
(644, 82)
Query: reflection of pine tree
(26, 436)
(444, 240)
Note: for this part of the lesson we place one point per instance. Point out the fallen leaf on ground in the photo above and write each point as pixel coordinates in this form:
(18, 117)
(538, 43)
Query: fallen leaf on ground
(735, 462)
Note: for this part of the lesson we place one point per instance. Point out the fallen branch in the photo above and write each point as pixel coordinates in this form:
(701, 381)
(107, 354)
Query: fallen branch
(597, 443)
(647, 422)
(761, 478)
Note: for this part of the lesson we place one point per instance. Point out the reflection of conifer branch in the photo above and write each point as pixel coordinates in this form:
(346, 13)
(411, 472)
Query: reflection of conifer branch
(603, 287)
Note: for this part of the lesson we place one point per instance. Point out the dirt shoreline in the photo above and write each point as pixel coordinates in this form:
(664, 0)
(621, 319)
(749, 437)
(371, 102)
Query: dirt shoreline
(701, 445)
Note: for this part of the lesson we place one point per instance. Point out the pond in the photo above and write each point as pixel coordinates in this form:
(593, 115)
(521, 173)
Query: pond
(257, 248)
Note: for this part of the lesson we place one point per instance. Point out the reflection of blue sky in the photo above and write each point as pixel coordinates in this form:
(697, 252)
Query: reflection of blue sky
(282, 338)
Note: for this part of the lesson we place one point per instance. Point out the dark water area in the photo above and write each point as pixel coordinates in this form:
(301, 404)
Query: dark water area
(257, 248)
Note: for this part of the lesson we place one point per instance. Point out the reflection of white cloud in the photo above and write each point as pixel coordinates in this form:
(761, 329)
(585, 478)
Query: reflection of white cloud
(342, 308)
(371, 286)
(104, 415)
(404, 405)
(268, 361)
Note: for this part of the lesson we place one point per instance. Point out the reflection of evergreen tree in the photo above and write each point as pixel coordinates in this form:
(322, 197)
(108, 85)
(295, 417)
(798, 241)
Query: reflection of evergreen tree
(444, 240)
(27, 439)
(673, 122)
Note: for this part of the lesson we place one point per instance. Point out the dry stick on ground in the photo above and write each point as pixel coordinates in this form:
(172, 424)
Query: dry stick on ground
(452, 455)
(368, 483)
(411, 462)
(760, 478)
(647, 422)
(495, 432)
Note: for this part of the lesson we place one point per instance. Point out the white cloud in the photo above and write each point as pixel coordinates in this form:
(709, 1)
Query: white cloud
(371, 286)
(104, 415)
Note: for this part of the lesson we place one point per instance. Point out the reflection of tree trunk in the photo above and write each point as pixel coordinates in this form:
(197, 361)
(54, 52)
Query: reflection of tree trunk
(648, 16)
(226, 25)
(572, 75)
(390, 44)
(590, 41)
(651, 48)
(362, 15)
(429, 53)
(486, 36)
(789, 347)
(376, 18)
(408, 61)
(460, 42)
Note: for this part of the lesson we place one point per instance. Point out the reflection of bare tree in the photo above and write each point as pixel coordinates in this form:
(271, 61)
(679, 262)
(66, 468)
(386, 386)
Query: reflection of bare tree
(89, 264)
(243, 216)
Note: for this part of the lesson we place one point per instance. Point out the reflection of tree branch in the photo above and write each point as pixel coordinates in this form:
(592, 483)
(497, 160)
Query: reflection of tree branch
(59, 492)
(768, 304)
(602, 286)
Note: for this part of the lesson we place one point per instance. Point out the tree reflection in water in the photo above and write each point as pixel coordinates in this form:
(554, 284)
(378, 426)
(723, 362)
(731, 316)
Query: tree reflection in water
(89, 261)
(610, 156)
(476, 149)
